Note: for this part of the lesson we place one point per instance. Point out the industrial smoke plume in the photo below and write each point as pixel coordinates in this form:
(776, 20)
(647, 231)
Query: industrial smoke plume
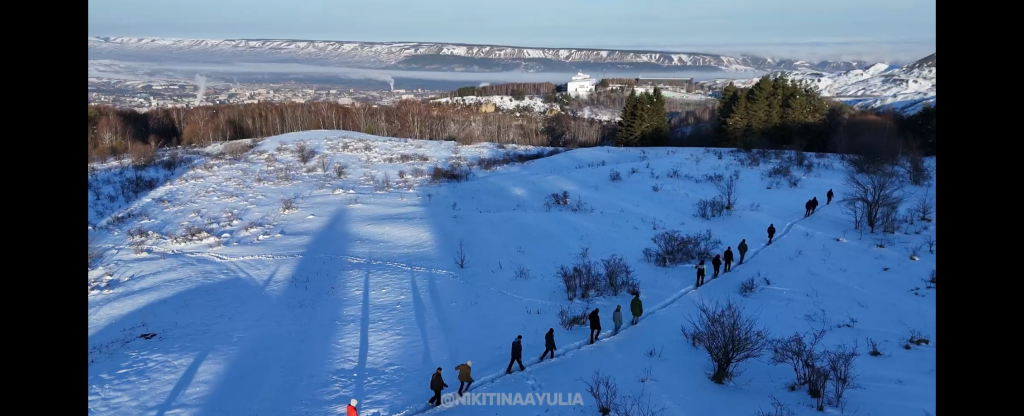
(200, 88)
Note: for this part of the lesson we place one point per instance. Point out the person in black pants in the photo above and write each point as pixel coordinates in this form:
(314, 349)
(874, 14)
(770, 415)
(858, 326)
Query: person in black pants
(728, 259)
(437, 384)
(549, 344)
(771, 232)
(595, 325)
(700, 273)
(716, 263)
(517, 355)
(829, 195)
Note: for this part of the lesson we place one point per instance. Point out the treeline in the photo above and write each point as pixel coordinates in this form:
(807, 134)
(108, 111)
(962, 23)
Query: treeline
(644, 121)
(517, 90)
(113, 132)
(685, 112)
(783, 114)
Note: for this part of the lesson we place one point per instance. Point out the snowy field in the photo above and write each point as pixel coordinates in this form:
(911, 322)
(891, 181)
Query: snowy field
(504, 102)
(878, 87)
(252, 284)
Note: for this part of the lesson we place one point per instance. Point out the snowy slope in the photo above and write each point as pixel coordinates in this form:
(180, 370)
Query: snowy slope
(880, 86)
(353, 292)
(435, 56)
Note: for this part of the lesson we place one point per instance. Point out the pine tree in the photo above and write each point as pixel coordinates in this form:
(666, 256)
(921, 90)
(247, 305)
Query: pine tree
(630, 127)
(657, 120)
(738, 124)
(758, 101)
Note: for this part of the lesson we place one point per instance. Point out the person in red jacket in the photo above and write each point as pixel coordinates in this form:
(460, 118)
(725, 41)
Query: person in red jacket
(351, 409)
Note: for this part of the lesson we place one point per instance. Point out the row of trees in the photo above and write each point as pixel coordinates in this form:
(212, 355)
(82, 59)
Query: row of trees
(113, 132)
(782, 113)
(517, 90)
(644, 121)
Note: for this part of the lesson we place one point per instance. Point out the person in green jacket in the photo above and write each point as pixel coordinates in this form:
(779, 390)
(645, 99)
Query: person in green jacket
(636, 307)
(743, 249)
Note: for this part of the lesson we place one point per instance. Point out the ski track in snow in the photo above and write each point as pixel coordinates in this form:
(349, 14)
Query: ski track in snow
(567, 352)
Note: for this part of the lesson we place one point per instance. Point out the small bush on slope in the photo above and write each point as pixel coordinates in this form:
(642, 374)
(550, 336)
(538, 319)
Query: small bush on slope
(728, 335)
(672, 247)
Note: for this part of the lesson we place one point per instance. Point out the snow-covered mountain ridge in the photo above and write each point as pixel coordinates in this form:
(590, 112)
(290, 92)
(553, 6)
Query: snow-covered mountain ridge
(442, 56)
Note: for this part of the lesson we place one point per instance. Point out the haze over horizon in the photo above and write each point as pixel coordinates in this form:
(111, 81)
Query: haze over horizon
(795, 29)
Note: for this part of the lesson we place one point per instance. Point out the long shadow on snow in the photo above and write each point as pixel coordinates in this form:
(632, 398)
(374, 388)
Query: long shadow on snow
(281, 364)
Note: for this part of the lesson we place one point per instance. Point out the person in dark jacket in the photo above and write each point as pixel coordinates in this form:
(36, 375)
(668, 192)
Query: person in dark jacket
(700, 273)
(549, 344)
(517, 355)
(808, 206)
(814, 204)
(829, 195)
(437, 384)
(595, 325)
(636, 307)
(743, 249)
(771, 232)
(727, 257)
(716, 263)
(465, 376)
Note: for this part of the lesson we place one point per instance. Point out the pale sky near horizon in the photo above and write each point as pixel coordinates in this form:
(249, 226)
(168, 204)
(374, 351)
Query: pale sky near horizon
(873, 30)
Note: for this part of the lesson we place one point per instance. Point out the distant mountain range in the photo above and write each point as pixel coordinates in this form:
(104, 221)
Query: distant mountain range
(427, 56)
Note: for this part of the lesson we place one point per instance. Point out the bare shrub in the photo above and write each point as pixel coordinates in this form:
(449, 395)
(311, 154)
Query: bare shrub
(917, 338)
(288, 205)
(914, 251)
(657, 187)
(839, 362)
(614, 175)
(930, 242)
(562, 201)
(817, 383)
(604, 391)
(748, 287)
(728, 335)
(672, 247)
(581, 279)
(521, 273)
(799, 352)
(619, 276)
(569, 318)
(324, 162)
(95, 252)
(924, 208)
(455, 172)
(916, 170)
(384, 184)
(304, 152)
(638, 404)
(727, 192)
(460, 255)
(874, 351)
(236, 150)
(873, 196)
(340, 170)
(778, 408)
(709, 208)
(653, 352)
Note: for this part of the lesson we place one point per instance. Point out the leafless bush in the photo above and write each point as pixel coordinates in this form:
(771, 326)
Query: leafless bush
(672, 247)
(780, 172)
(924, 208)
(874, 351)
(931, 278)
(914, 251)
(778, 408)
(288, 205)
(839, 362)
(460, 255)
(916, 170)
(569, 318)
(799, 351)
(748, 287)
(728, 335)
(930, 242)
(817, 383)
(324, 162)
(638, 405)
(384, 184)
(563, 202)
(917, 338)
(339, 170)
(657, 187)
(673, 173)
(236, 150)
(619, 276)
(95, 252)
(583, 278)
(304, 152)
(521, 273)
(727, 192)
(709, 208)
(604, 391)
(874, 196)
(614, 175)
(653, 352)
(138, 247)
(455, 172)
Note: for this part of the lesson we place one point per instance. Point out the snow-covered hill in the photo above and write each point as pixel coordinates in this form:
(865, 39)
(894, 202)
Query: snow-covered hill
(250, 283)
(904, 89)
(435, 56)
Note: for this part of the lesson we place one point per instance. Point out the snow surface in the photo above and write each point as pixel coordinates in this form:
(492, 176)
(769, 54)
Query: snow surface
(880, 86)
(504, 102)
(354, 293)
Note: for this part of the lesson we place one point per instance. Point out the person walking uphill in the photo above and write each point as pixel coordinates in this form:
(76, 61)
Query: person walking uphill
(595, 325)
(716, 263)
(636, 307)
(808, 207)
(829, 195)
(771, 232)
(517, 355)
(814, 204)
(617, 318)
(350, 410)
(465, 376)
(700, 273)
(727, 257)
(437, 384)
(743, 249)
(549, 344)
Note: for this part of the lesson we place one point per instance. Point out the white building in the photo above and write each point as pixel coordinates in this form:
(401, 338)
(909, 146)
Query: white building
(581, 85)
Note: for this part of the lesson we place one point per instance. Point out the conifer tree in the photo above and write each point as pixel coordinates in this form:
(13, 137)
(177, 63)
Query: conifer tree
(630, 128)
(657, 120)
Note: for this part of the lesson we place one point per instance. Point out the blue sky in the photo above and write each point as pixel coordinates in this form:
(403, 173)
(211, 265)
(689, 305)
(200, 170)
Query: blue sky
(878, 30)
